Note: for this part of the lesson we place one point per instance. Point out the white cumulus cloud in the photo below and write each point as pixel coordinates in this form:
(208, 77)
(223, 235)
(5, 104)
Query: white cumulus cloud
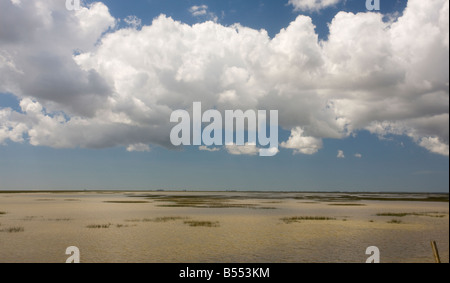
(83, 82)
(302, 144)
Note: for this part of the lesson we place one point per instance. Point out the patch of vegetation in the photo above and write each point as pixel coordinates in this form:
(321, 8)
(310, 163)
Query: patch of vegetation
(29, 218)
(395, 221)
(347, 204)
(158, 219)
(2, 212)
(289, 220)
(121, 225)
(132, 220)
(169, 218)
(13, 230)
(125, 201)
(205, 202)
(403, 214)
(60, 219)
(99, 226)
(342, 197)
(193, 223)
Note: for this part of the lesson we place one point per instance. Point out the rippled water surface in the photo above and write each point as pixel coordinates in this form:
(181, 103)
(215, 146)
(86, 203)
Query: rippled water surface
(221, 227)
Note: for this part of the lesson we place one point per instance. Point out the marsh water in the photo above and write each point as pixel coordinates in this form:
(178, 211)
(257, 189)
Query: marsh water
(222, 227)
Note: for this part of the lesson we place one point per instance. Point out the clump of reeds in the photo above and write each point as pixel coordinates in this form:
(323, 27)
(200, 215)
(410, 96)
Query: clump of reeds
(403, 214)
(60, 219)
(347, 204)
(13, 230)
(168, 218)
(121, 225)
(99, 226)
(126, 201)
(158, 219)
(395, 221)
(193, 223)
(289, 220)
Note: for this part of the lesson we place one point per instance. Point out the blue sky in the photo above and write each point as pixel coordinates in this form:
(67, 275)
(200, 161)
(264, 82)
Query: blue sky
(397, 152)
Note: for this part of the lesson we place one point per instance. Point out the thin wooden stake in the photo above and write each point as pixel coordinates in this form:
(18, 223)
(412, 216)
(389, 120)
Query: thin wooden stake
(435, 252)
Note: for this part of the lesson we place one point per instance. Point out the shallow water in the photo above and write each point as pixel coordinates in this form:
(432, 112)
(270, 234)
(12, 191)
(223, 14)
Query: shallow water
(250, 228)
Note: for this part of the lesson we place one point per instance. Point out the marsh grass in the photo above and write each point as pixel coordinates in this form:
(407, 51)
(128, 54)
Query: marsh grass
(345, 197)
(194, 223)
(294, 219)
(403, 214)
(201, 201)
(169, 218)
(30, 218)
(158, 219)
(125, 201)
(133, 220)
(122, 226)
(347, 204)
(13, 230)
(60, 219)
(99, 226)
(395, 221)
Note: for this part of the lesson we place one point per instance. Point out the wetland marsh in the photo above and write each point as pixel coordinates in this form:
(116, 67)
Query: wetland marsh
(222, 227)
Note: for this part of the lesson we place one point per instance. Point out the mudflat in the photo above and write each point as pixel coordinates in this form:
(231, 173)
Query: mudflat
(222, 227)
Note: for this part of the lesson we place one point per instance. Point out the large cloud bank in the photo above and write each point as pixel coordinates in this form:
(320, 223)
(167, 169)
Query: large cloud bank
(83, 82)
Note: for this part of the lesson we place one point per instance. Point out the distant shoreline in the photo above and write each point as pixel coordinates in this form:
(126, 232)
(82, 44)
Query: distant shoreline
(335, 196)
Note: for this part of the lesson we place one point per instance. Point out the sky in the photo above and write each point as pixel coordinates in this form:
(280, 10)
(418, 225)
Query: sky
(86, 95)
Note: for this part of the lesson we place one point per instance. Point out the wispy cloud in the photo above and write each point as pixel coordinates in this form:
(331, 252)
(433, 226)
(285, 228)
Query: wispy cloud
(201, 11)
(140, 147)
(247, 149)
(210, 149)
(133, 21)
(312, 5)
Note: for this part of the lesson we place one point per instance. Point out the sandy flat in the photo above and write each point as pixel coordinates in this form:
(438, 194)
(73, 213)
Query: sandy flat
(235, 227)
